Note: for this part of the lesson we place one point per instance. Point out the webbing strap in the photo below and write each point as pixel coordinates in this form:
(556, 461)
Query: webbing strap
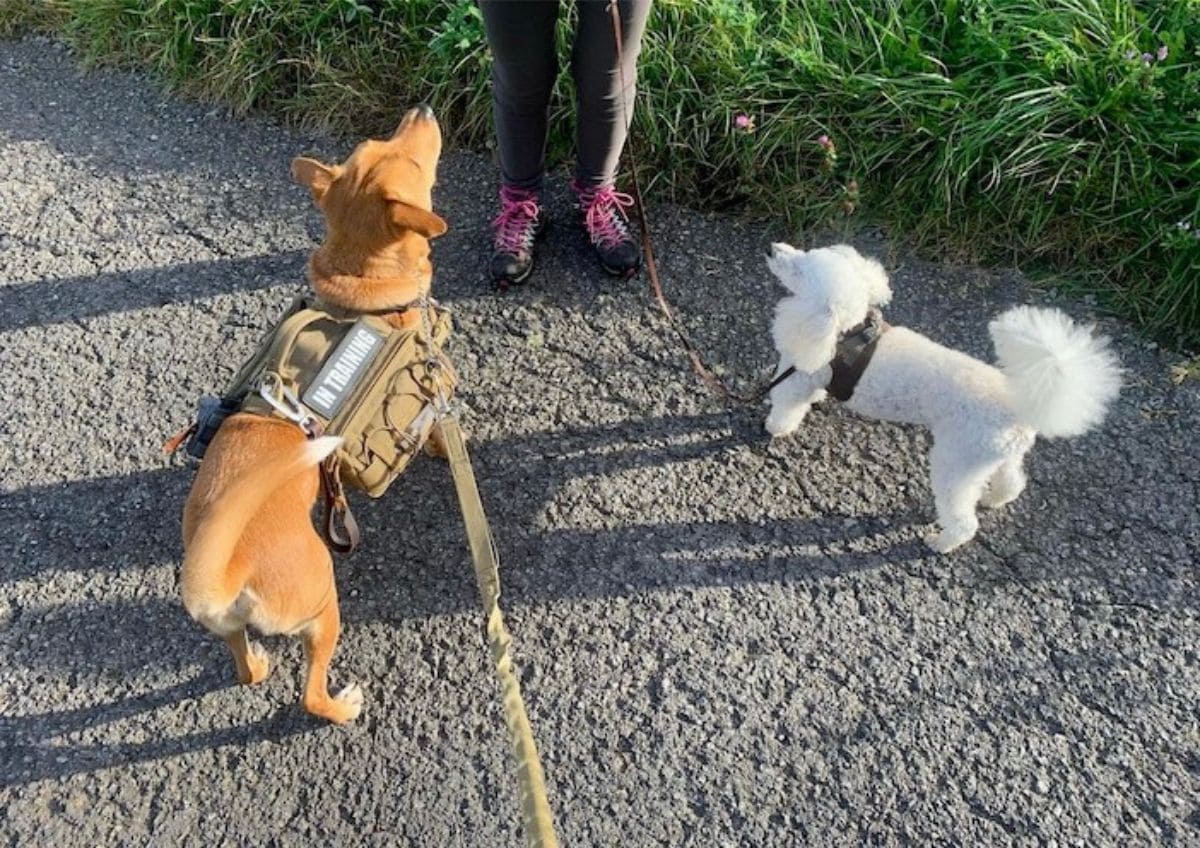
(539, 828)
(853, 354)
(336, 508)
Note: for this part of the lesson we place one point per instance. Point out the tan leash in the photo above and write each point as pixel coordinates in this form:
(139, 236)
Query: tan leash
(706, 375)
(539, 827)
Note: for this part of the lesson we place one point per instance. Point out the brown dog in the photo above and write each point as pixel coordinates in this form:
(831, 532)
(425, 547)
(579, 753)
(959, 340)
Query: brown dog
(252, 556)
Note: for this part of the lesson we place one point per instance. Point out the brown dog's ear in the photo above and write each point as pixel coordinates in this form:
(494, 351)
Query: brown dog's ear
(405, 216)
(316, 175)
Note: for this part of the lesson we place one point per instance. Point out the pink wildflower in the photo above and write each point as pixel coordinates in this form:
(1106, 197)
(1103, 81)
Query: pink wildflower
(826, 142)
(744, 122)
(1162, 52)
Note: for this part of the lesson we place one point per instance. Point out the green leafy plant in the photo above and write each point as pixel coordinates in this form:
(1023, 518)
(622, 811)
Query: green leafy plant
(461, 35)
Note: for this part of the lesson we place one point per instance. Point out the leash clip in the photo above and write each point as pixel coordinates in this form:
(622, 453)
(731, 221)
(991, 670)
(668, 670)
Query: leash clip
(442, 406)
(284, 401)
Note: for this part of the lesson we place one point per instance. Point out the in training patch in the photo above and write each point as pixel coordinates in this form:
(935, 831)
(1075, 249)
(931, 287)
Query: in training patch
(343, 369)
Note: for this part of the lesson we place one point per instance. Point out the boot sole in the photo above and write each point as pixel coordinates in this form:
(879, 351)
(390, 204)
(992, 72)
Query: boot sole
(621, 273)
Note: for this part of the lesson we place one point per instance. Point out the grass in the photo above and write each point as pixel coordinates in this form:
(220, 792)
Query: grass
(20, 16)
(1049, 132)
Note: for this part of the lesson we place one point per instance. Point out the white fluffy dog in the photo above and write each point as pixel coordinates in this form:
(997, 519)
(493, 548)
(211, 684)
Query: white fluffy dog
(1053, 378)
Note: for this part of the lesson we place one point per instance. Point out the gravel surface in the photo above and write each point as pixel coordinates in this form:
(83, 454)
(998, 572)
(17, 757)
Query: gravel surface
(723, 641)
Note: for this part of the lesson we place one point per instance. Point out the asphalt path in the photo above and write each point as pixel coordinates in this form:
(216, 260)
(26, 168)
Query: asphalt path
(723, 641)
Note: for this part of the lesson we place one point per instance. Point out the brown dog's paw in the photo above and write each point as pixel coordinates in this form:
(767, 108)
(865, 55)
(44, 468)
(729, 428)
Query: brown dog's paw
(258, 665)
(340, 709)
(350, 701)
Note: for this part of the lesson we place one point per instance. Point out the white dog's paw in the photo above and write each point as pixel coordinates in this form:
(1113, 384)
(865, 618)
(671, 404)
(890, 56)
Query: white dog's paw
(950, 538)
(782, 425)
(994, 498)
(1003, 489)
(776, 428)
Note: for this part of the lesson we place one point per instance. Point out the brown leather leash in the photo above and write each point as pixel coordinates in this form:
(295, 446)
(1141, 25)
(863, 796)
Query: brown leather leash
(706, 374)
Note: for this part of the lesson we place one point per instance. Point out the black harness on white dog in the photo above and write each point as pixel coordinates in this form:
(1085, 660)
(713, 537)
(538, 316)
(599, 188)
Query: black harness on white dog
(850, 358)
(853, 355)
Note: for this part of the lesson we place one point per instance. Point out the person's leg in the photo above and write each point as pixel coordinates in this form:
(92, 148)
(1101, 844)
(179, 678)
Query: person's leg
(605, 108)
(524, 66)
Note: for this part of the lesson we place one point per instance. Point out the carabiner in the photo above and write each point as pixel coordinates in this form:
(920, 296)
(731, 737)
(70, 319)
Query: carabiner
(284, 401)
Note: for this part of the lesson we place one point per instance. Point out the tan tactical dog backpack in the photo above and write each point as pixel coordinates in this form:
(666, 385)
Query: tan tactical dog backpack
(350, 374)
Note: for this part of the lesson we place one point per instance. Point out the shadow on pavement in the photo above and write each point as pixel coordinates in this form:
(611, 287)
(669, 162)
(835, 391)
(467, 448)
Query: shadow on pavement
(132, 522)
(34, 758)
(76, 298)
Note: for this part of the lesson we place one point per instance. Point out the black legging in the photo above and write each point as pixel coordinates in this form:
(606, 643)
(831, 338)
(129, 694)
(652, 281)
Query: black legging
(524, 67)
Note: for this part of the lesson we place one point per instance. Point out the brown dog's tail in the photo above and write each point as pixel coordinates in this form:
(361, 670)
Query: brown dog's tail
(205, 596)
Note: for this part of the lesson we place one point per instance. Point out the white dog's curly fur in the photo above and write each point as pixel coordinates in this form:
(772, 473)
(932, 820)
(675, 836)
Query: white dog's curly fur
(1054, 378)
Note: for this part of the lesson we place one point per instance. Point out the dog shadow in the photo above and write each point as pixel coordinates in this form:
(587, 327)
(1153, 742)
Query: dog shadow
(90, 640)
(91, 295)
(126, 533)
(32, 753)
(428, 576)
(123, 638)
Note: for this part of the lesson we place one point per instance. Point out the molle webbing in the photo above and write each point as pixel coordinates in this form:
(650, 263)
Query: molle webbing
(360, 378)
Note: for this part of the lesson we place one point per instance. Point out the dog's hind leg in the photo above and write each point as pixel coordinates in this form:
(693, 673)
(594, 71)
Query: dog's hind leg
(1006, 483)
(958, 478)
(253, 664)
(320, 638)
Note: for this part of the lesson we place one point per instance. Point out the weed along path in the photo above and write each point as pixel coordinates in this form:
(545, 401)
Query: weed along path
(722, 640)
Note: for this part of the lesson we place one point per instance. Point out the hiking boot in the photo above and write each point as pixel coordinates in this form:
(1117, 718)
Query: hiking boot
(607, 227)
(514, 230)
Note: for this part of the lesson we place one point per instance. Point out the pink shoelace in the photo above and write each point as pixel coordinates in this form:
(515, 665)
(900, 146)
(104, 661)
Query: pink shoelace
(604, 214)
(514, 226)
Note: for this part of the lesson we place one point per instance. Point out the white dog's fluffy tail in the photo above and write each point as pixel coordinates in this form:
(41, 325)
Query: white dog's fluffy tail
(1062, 377)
